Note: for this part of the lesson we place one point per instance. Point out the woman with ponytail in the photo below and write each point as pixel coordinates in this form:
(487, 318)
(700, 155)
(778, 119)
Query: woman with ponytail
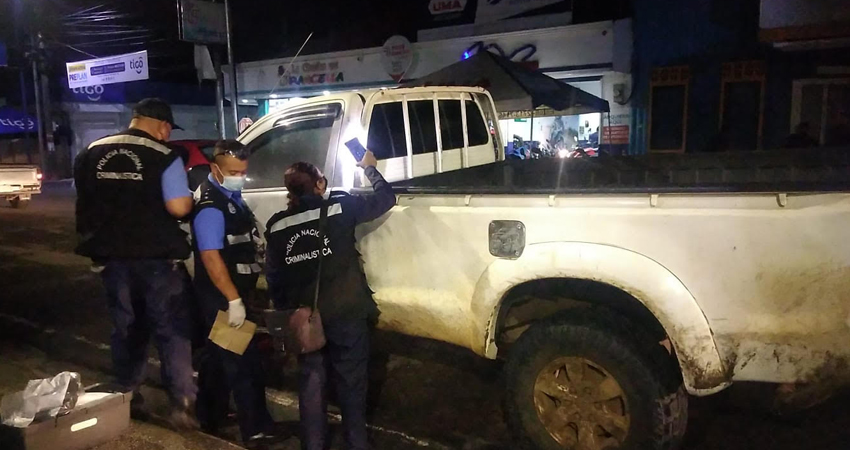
(345, 301)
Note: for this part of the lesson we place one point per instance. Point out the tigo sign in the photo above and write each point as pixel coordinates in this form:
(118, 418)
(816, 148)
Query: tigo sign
(114, 69)
(438, 7)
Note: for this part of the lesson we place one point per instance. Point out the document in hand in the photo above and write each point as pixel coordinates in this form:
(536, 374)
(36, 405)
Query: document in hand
(234, 339)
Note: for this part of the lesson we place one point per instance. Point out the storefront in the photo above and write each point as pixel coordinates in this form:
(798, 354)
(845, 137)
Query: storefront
(91, 112)
(595, 57)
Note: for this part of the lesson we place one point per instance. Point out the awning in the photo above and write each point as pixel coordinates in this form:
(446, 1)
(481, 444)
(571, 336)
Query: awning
(514, 87)
(13, 121)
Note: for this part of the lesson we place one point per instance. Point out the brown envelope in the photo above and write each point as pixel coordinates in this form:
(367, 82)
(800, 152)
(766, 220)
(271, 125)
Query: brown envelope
(234, 339)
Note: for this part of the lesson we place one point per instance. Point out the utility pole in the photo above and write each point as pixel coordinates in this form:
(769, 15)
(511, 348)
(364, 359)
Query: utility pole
(219, 92)
(234, 97)
(36, 80)
(19, 41)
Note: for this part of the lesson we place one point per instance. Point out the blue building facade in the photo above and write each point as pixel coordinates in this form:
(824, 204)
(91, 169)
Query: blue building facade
(719, 75)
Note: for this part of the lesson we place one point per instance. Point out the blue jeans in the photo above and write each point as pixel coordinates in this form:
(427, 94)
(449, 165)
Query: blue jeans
(147, 297)
(347, 356)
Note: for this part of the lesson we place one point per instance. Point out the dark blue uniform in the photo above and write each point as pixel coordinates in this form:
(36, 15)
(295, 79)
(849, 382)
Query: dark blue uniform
(345, 302)
(123, 182)
(224, 222)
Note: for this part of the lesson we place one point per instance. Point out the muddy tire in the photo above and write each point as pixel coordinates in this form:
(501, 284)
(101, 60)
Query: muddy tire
(19, 203)
(592, 381)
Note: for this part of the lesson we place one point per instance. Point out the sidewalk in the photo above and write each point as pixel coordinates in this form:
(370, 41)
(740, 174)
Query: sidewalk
(25, 344)
(22, 363)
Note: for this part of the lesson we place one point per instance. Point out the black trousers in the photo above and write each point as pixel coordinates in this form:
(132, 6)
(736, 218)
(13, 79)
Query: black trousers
(346, 357)
(221, 372)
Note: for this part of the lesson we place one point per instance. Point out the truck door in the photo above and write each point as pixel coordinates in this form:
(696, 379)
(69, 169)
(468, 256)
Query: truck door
(304, 134)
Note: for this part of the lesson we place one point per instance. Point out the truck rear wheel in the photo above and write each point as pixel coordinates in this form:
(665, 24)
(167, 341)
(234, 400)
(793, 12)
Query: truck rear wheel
(582, 384)
(19, 203)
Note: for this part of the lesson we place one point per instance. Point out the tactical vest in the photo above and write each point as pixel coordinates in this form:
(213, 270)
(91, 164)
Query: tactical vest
(240, 242)
(120, 209)
(293, 237)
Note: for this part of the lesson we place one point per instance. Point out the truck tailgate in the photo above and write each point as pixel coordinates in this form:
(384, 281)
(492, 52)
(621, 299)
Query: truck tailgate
(19, 178)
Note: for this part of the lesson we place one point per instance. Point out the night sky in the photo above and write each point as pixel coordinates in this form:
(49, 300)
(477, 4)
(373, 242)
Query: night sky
(262, 29)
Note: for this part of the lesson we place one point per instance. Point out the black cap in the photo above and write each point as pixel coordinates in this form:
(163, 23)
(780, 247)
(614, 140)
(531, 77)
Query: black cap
(155, 108)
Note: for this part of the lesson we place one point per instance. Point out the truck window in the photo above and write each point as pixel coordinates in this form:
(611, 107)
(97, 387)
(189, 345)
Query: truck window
(451, 124)
(423, 129)
(277, 149)
(478, 132)
(386, 131)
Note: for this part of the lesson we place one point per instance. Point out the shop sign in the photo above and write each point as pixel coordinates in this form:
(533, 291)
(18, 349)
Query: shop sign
(312, 73)
(617, 132)
(202, 22)
(92, 93)
(114, 69)
(439, 7)
(244, 123)
(495, 10)
(397, 57)
(13, 121)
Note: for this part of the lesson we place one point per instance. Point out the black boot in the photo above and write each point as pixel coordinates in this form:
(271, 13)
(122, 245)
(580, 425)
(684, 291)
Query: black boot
(182, 416)
(137, 407)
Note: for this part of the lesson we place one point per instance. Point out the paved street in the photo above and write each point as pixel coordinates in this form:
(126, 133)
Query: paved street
(425, 394)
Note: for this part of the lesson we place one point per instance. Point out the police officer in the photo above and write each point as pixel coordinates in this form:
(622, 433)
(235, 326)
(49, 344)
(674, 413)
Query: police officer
(226, 271)
(131, 189)
(345, 300)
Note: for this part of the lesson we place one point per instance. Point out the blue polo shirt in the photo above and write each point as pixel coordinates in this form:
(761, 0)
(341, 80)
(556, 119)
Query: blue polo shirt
(175, 183)
(209, 224)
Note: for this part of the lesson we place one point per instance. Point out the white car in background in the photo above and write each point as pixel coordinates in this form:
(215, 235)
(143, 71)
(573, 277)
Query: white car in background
(18, 183)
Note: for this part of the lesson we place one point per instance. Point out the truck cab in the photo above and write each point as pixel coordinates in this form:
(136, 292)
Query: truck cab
(412, 131)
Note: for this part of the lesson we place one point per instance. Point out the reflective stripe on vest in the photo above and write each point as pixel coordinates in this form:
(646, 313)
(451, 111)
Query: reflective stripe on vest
(248, 269)
(132, 140)
(304, 217)
(239, 238)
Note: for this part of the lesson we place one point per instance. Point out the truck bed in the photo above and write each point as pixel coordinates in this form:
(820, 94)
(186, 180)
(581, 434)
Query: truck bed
(810, 170)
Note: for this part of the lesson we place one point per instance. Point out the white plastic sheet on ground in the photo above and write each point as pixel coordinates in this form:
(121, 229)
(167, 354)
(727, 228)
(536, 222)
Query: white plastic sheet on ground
(45, 396)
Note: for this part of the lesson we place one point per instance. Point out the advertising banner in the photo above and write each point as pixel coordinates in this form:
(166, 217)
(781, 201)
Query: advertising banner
(113, 69)
(202, 22)
(13, 121)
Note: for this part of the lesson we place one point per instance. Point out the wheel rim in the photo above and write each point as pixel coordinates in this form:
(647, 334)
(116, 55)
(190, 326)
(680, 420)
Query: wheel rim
(581, 405)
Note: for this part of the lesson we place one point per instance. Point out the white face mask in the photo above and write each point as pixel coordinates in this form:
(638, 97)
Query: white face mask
(234, 184)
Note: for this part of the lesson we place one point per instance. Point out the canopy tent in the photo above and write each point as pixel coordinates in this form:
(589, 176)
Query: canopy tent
(515, 88)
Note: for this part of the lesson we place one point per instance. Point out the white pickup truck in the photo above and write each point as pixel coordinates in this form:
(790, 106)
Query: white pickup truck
(18, 183)
(613, 287)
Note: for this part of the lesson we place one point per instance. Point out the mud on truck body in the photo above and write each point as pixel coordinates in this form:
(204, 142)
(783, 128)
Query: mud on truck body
(614, 287)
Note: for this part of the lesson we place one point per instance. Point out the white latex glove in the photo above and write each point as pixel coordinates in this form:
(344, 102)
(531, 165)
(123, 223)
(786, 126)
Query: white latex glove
(236, 313)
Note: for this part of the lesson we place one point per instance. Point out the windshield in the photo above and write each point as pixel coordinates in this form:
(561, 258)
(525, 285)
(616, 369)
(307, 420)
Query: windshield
(303, 137)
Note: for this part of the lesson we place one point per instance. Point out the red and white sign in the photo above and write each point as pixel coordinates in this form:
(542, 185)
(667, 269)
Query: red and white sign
(616, 134)
(397, 57)
(244, 123)
(438, 7)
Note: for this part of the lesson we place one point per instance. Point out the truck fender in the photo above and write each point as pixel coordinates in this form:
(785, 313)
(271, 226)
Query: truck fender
(660, 291)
